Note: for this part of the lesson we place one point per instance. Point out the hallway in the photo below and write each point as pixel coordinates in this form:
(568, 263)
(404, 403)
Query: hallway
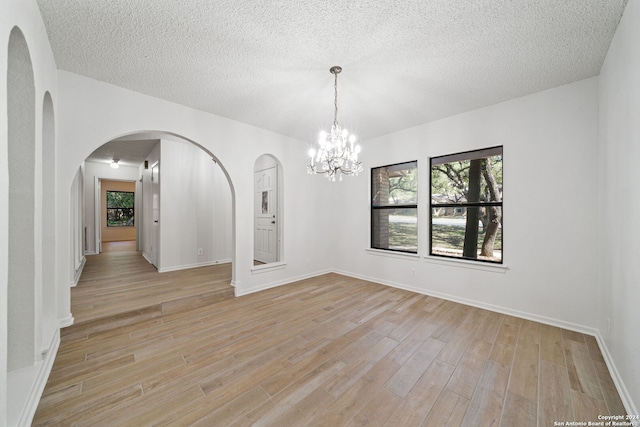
(119, 281)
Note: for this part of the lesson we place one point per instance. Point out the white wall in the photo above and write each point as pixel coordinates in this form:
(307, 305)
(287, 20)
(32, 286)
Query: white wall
(550, 238)
(195, 208)
(619, 204)
(93, 170)
(91, 113)
(17, 387)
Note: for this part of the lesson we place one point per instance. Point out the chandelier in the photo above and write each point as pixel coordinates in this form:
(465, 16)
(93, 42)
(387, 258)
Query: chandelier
(337, 155)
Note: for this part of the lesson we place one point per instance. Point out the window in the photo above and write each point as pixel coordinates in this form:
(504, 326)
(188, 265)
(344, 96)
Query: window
(120, 208)
(466, 205)
(394, 207)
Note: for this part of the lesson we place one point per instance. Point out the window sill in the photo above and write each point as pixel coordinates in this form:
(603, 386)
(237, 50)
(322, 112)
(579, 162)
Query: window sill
(462, 263)
(264, 268)
(393, 254)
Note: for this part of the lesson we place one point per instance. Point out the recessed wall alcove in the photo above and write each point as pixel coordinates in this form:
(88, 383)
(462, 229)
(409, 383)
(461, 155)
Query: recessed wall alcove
(21, 160)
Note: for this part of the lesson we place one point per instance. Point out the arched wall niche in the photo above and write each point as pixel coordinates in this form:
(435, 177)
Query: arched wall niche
(268, 211)
(48, 246)
(21, 161)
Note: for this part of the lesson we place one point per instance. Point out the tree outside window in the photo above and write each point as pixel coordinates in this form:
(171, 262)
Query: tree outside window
(120, 208)
(466, 205)
(394, 208)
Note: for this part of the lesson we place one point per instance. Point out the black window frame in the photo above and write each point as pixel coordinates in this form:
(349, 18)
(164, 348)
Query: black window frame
(466, 155)
(374, 208)
(133, 210)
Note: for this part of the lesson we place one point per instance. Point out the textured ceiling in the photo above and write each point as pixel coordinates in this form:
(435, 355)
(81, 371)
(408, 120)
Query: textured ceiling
(130, 151)
(267, 63)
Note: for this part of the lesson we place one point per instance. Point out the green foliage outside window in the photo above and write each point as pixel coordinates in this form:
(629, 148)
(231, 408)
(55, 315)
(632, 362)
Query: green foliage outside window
(394, 209)
(120, 208)
(466, 205)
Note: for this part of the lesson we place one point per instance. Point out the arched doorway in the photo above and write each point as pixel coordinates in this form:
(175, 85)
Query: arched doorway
(183, 211)
(189, 221)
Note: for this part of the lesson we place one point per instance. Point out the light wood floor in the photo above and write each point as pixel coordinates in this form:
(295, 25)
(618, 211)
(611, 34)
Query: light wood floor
(179, 349)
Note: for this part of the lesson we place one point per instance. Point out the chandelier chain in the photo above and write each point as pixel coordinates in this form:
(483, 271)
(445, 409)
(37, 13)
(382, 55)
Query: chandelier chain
(335, 100)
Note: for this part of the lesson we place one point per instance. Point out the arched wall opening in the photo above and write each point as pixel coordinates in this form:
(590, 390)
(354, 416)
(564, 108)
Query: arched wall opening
(48, 246)
(21, 161)
(268, 211)
(173, 159)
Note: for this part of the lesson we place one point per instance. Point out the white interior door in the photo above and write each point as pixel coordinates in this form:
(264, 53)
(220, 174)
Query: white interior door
(265, 204)
(154, 235)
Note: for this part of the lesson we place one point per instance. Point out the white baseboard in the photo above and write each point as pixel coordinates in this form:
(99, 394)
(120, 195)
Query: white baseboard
(496, 308)
(78, 273)
(616, 377)
(266, 268)
(25, 387)
(241, 292)
(145, 256)
(196, 265)
(67, 321)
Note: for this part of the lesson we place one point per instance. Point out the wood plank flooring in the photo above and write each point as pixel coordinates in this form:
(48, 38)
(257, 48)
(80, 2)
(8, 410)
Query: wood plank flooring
(178, 349)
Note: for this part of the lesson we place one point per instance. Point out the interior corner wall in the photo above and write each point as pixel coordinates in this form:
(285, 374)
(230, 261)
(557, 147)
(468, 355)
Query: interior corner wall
(195, 208)
(619, 205)
(550, 240)
(93, 171)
